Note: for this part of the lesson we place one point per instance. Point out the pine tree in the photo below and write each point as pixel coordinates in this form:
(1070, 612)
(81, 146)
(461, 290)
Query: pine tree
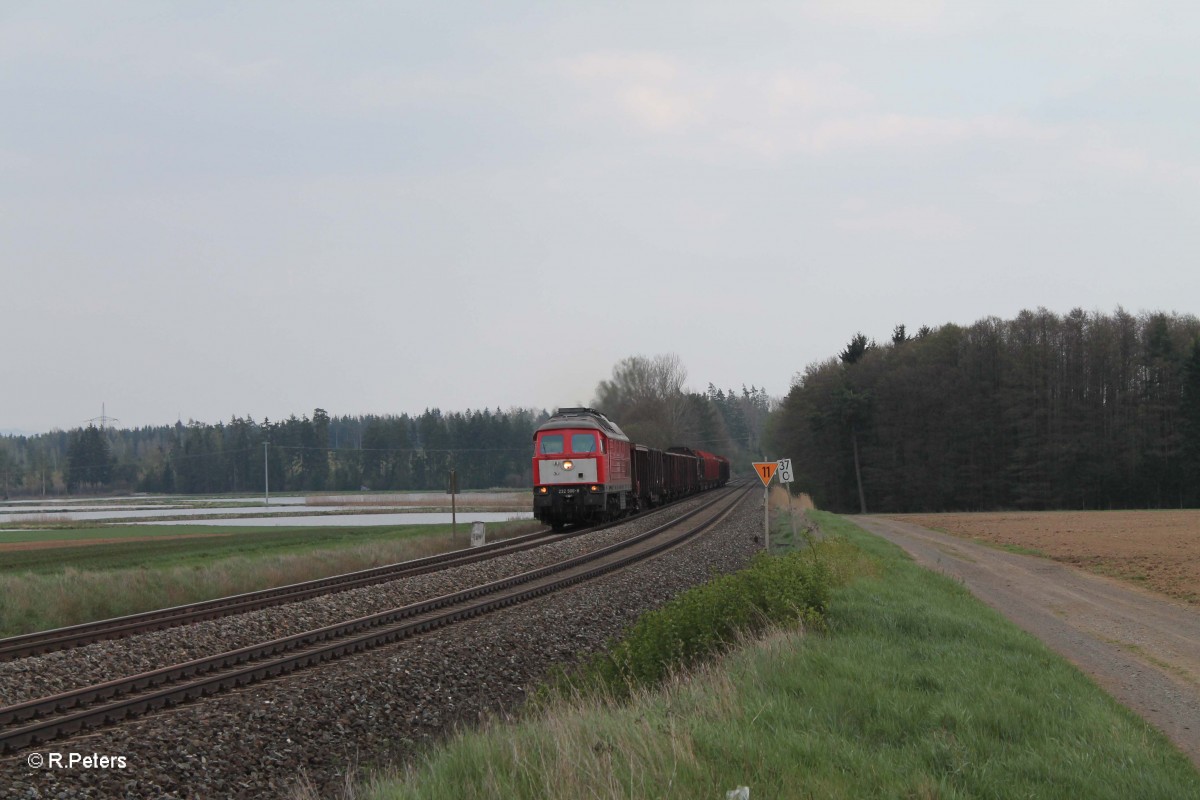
(1191, 427)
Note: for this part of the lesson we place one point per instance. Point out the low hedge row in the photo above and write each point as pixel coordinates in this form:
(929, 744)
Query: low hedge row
(773, 589)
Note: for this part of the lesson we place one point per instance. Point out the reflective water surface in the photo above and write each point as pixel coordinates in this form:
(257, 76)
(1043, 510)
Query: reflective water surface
(319, 510)
(411, 518)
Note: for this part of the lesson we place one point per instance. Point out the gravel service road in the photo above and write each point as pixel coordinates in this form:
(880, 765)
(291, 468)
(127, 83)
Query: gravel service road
(1144, 649)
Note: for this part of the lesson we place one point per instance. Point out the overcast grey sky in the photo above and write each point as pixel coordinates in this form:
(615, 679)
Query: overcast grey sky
(218, 208)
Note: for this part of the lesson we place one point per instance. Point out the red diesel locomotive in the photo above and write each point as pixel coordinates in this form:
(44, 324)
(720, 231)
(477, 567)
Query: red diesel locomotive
(586, 470)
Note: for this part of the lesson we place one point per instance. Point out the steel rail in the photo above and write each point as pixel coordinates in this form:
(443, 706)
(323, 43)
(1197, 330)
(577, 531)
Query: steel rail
(240, 667)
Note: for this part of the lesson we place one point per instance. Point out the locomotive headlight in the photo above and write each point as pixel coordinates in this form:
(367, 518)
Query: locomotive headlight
(543, 489)
(595, 488)
(568, 465)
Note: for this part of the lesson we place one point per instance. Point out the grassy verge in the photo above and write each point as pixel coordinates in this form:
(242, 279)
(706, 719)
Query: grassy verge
(158, 547)
(51, 588)
(915, 689)
(790, 526)
(793, 588)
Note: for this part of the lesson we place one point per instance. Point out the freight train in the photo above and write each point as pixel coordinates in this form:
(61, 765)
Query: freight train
(586, 470)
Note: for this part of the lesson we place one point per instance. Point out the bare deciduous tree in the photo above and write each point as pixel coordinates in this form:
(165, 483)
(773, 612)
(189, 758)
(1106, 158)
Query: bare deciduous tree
(645, 396)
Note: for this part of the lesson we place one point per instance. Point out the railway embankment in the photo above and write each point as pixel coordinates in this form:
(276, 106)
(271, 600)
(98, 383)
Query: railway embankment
(911, 688)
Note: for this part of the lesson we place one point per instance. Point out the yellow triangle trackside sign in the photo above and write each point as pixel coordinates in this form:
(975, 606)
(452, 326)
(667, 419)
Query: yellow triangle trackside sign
(765, 470)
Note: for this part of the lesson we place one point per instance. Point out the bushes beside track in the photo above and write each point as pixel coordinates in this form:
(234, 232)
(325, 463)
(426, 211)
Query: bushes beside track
(705, 619)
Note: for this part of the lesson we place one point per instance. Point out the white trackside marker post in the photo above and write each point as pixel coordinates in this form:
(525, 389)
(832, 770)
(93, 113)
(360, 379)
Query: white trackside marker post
(785, 480)
(765, 471)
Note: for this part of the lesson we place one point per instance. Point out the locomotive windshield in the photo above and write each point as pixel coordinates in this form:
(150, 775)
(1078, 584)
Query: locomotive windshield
(555, 444)
(583, 443)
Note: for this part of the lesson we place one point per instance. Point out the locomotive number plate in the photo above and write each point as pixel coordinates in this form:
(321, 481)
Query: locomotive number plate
(568, 491)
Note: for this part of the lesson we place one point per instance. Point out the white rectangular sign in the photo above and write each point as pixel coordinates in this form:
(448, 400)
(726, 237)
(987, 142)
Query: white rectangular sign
(785, 470)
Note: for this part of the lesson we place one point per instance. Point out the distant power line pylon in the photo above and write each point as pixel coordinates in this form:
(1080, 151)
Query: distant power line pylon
(103, 419)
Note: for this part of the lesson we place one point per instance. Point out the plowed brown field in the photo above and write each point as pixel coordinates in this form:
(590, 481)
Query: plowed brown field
(1159, 550)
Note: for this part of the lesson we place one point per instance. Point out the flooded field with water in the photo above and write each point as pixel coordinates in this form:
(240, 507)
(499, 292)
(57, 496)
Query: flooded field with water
(407, 508)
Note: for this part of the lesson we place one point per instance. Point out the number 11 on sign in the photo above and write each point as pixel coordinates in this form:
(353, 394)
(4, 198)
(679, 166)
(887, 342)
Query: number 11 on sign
(766, 470)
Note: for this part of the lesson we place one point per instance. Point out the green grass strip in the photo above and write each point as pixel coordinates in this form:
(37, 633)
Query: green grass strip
(915, 690)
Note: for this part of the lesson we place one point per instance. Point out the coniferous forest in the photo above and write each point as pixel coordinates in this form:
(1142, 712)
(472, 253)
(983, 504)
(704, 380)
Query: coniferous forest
(487, 449)
(1082, 411)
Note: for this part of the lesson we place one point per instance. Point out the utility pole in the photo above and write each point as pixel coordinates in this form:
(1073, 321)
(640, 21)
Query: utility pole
(862, 499)
(453, 505)
(266, 477)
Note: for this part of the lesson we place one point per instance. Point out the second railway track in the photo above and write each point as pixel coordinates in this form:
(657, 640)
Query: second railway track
(41, 720)
(50, 641)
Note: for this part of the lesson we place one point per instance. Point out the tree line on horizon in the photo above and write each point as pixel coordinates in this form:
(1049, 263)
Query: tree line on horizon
(1044, 411)
(486, 448)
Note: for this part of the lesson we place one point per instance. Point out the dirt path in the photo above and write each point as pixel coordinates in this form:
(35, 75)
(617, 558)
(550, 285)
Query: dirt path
(1142, 648)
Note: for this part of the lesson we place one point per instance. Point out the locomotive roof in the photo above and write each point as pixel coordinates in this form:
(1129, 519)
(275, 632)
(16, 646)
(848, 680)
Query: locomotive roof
(583, 418)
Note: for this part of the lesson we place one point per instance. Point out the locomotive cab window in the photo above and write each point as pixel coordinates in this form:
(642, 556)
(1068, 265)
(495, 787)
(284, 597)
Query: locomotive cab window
(583, 443)
(552, 444)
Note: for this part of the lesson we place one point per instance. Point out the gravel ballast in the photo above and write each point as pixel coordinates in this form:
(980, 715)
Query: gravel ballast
(371, 709)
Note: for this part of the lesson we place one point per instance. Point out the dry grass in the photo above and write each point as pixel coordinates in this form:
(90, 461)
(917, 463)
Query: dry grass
(480, 501)
(36, 601)
(779, 499)
(39, 602)
(595, 745)
(38, 521)
(513, 527)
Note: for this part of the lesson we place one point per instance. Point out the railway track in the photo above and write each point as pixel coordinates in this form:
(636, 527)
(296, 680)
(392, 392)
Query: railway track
(66, 638)
(37, 721)
(79, 635)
